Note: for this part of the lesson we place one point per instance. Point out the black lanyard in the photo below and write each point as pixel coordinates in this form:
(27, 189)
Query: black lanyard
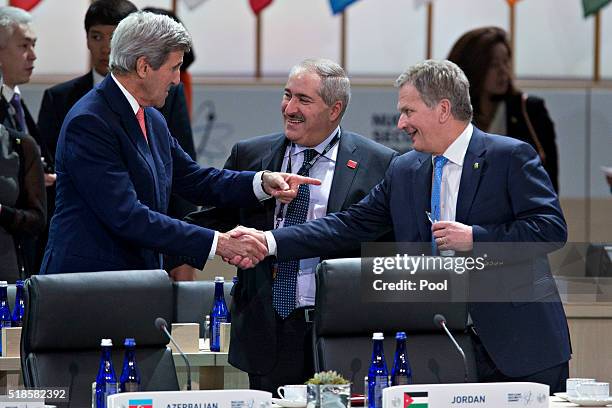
(304, 169)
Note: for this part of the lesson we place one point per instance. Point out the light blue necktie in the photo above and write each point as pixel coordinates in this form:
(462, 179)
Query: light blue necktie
(283, 290)
(439, 162)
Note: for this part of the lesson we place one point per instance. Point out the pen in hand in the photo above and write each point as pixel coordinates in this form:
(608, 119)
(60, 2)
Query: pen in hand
(428, 214)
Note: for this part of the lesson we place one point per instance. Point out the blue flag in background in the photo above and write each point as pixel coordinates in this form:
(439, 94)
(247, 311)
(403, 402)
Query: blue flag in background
(338, 6)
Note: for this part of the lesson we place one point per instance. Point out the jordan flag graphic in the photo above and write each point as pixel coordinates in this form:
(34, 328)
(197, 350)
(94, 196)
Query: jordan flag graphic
(415, 400)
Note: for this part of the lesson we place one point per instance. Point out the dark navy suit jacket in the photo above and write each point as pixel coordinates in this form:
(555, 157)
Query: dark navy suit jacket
(507, 197)
(113, 190)
(59, 99)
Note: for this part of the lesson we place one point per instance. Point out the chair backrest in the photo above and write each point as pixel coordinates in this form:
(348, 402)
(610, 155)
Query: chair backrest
(193, 301)
(67, 315)
(344, 324)
(599, 260)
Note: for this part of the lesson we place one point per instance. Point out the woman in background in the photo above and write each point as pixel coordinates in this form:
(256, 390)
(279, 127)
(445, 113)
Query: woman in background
(484, 55)
(22, 203)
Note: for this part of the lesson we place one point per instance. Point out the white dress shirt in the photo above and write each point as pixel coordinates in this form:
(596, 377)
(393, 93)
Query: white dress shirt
(257, 187)
(323, 170)
(97, 78)
(451, 174)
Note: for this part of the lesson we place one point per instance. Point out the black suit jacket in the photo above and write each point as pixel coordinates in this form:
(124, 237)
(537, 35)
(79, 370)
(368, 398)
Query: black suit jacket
(59, 99)
(527, 119)
(8, 121)
(253, 339)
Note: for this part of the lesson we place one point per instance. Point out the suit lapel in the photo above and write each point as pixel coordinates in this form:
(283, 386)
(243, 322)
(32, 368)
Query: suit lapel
(343, 174)
(473, 169)
(153, 149)
(7, 119)
(273, 161)
(422, 202)
(119, 104)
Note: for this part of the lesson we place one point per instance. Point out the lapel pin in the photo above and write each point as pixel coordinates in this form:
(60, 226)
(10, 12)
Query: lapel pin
(351, 164)
(476, 166)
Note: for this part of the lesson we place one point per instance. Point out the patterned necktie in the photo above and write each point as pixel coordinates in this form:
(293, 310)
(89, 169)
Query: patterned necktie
(439, 162)
(141, 122)
(283, 298)
(19, 115)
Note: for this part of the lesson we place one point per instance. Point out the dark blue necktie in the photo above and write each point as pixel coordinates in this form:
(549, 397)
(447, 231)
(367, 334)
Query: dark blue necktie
(439, 162)
(19, 115)
(283, 298)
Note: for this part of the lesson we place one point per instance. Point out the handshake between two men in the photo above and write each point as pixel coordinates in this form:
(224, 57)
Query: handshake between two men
(246, 247)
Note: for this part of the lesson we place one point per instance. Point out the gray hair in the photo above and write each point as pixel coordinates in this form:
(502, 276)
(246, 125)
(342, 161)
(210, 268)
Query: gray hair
(9, 18)
(335, 85)
(437, 80)
(148, 35)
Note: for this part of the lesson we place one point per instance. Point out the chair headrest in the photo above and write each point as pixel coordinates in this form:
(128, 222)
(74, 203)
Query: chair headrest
(341, 311)
(76, 310)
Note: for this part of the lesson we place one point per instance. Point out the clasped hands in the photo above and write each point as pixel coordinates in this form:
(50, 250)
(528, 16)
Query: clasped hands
(246, 247)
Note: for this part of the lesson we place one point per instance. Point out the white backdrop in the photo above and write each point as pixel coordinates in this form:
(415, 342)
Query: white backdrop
(384, 36)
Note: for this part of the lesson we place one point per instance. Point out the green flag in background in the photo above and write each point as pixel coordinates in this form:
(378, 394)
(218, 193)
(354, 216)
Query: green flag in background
(593, 6)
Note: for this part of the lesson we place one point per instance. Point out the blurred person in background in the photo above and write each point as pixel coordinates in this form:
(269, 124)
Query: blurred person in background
(485, 56)
(17, 57)
(22, 202)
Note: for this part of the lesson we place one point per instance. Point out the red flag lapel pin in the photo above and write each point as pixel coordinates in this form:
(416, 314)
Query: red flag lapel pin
(352, 164)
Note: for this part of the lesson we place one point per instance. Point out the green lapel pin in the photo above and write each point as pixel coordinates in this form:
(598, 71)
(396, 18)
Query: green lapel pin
(476, 166)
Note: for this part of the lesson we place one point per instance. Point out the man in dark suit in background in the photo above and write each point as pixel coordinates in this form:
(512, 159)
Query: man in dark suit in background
(17, 56)
(478, 188)
(101, 20)
(269, 341)
(118, 164)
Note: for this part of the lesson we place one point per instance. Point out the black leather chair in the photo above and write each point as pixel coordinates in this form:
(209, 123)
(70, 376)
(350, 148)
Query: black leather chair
(193, 301)
(343, 327)
(599, 260)
(68, 314)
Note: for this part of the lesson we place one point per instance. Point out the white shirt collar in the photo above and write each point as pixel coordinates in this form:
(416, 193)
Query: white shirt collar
(8, 92)
(455, 153)
(133, 102)
(97, 78)
(319, 148)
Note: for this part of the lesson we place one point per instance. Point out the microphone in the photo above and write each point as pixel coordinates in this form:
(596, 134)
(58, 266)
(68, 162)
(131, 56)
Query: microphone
(440, 321)
(162, 325)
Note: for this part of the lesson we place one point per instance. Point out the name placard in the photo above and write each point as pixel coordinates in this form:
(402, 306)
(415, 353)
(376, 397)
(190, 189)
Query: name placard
(470, 395)
(191, 399)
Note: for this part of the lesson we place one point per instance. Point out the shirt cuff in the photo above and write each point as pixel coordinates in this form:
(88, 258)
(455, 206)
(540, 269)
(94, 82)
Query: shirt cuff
(260, 193)
(271, 243)
(213, 247)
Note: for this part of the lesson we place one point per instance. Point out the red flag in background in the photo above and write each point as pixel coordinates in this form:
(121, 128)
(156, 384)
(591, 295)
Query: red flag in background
(258, 5)
(512, 2)
(24, 4)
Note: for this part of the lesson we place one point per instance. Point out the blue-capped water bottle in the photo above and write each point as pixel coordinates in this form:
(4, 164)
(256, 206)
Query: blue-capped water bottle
(401, 373)
(19, 309)
(130, 376)
(218, 314)
(5, 311)
(378, 375)
(106, 381)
